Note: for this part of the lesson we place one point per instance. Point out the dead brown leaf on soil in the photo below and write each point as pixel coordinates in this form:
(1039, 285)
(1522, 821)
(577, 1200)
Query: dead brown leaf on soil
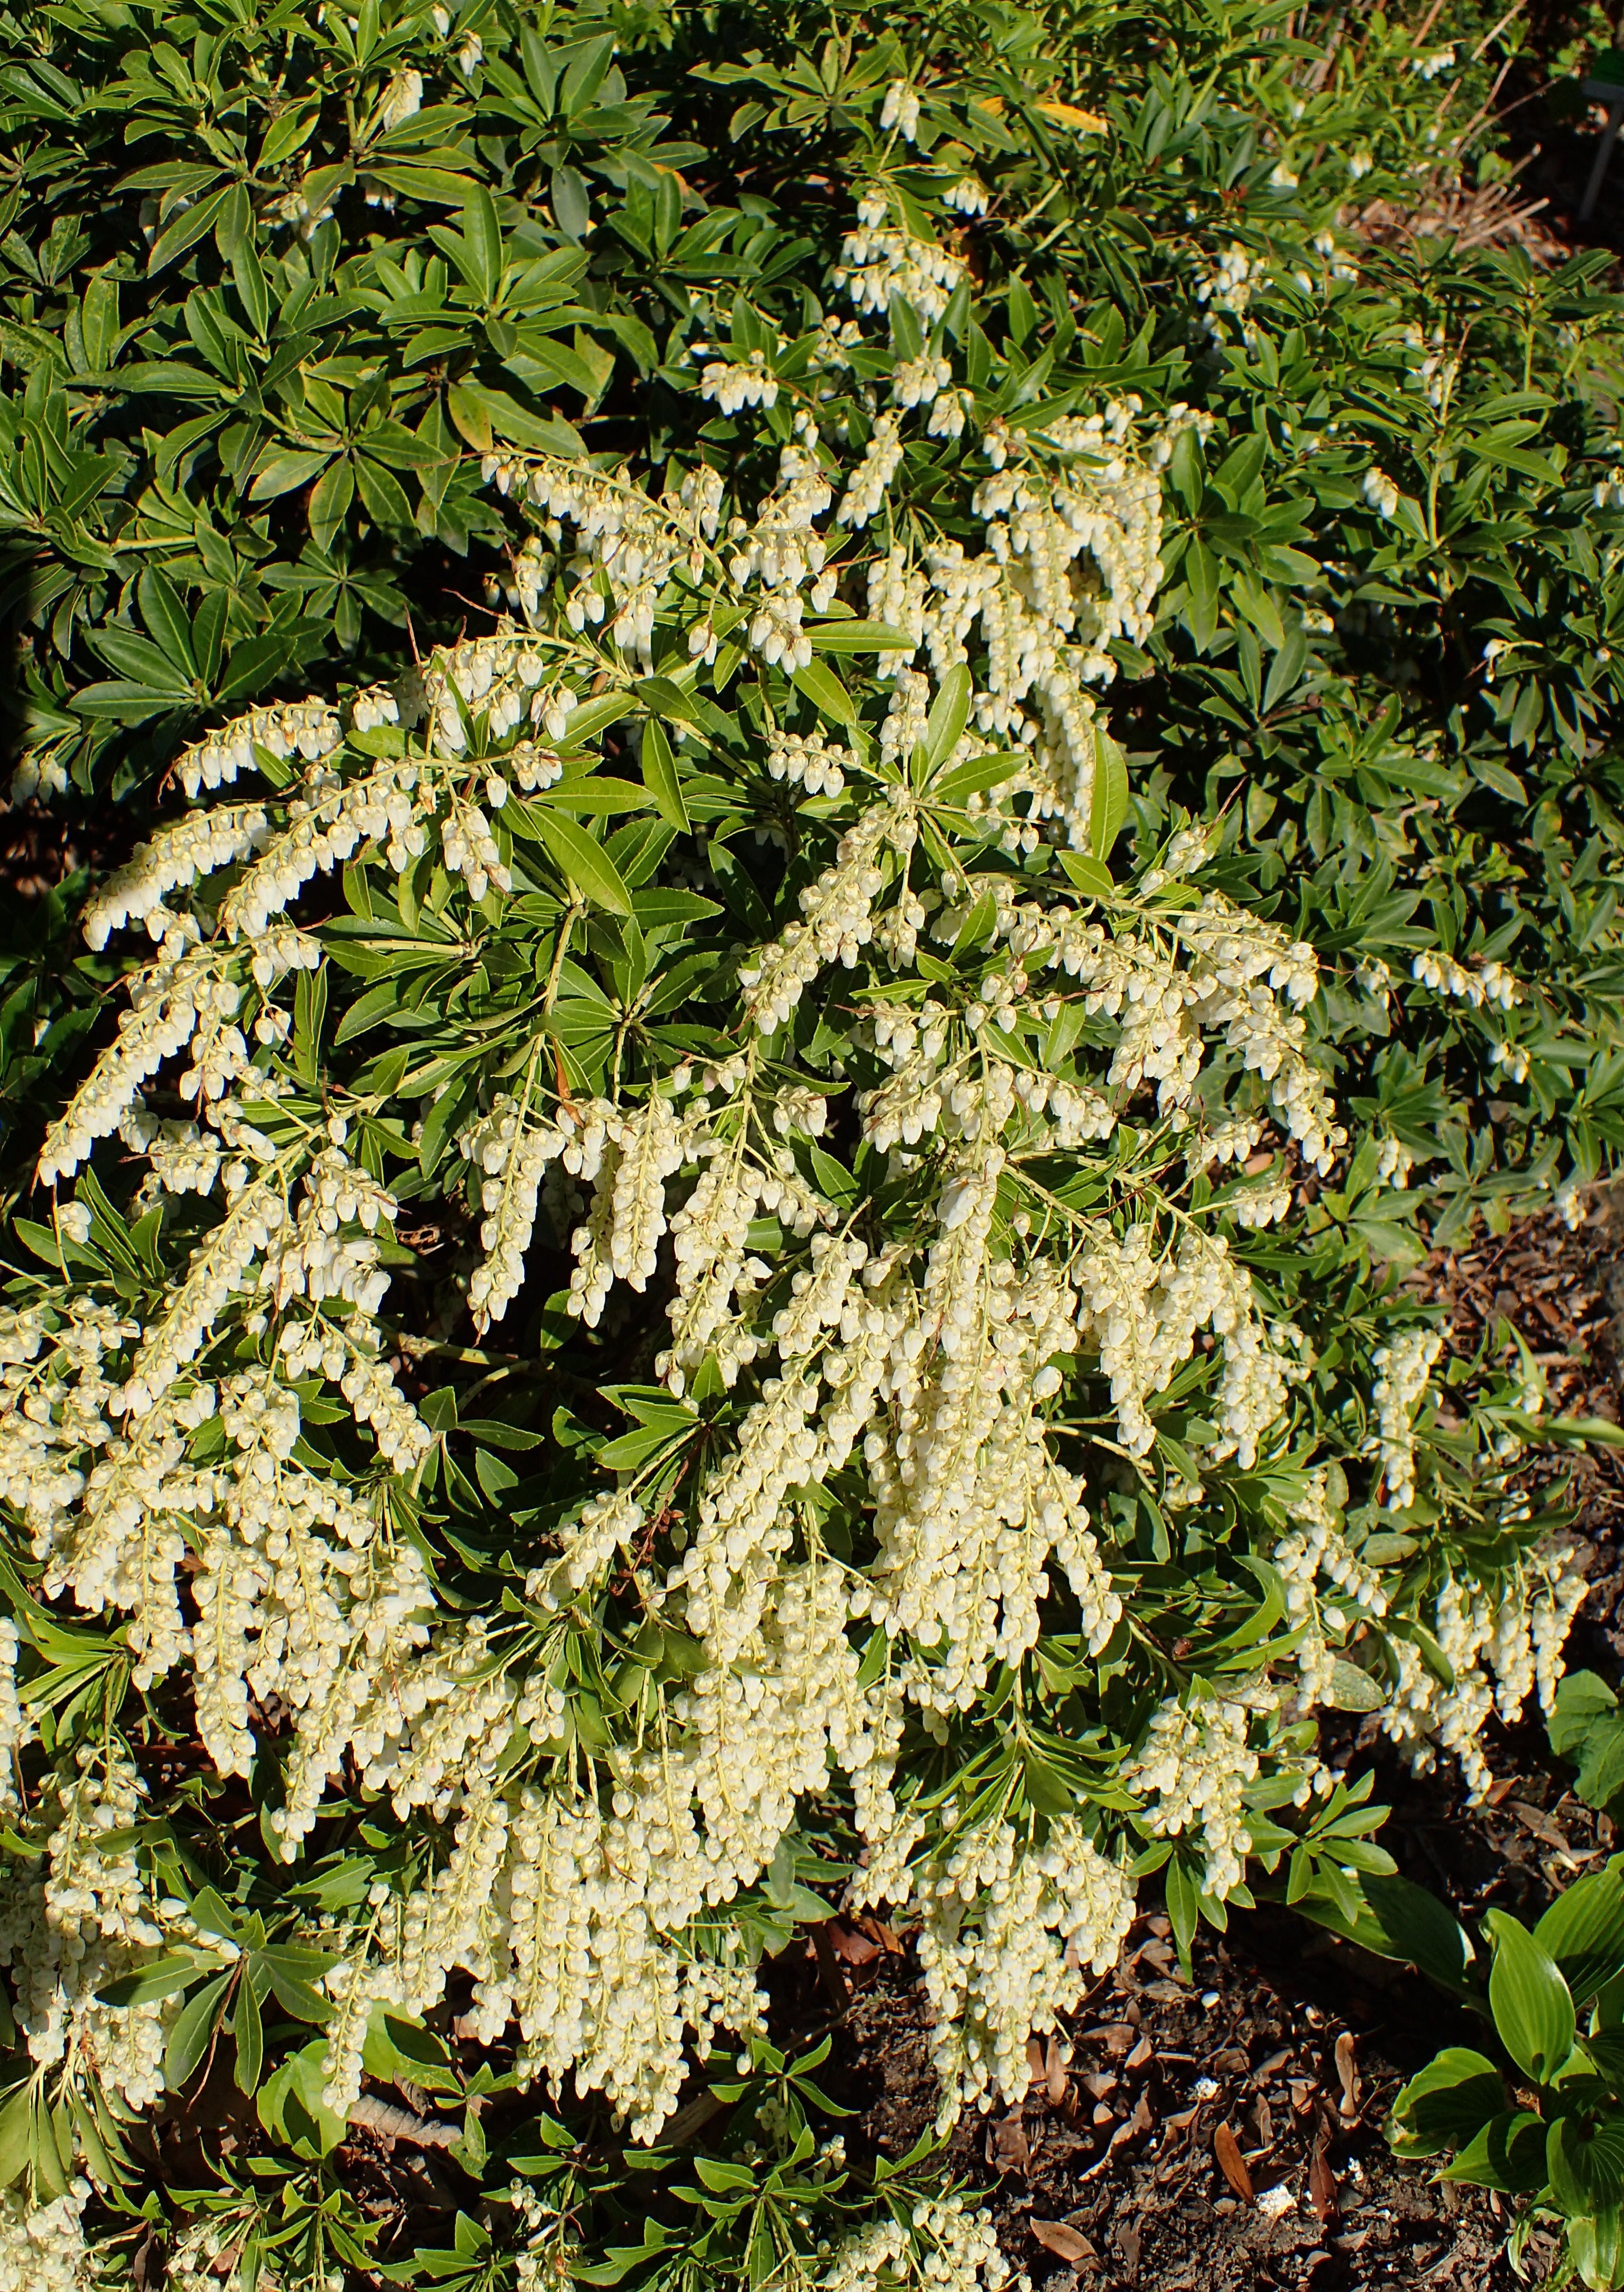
(1231, 2164)
(1065, 2243)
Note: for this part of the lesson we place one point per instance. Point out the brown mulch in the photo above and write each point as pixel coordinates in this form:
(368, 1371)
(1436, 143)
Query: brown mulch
(1201, 2136)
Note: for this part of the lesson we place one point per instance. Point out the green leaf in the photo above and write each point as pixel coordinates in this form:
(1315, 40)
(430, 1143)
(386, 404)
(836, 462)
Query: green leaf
(1396, 1919)
(949, 713)
(1583, 1931)
(1581, 1699)
(1585, 2164)
(1108, 801)
(1447, 2102)
(1507, 2155)
(287, 134)
(190, 2038)
(1533, 2008)
(587, 865)
(827, 693)
(193, 224)
(482, 235)
(280, 473)
(857, 636)
(160, 1977)
(1596, 2243)
(330, 498)
(660, 776)
(249, 2033)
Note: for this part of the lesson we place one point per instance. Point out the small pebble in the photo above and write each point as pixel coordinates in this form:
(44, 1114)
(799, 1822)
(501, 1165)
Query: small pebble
(1209, 1999)
(1272, 2202)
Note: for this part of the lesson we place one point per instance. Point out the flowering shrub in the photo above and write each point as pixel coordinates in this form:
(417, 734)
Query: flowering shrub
(723, 1254)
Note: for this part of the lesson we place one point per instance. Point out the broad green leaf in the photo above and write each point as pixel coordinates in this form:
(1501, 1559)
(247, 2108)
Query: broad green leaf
(1585, 2164)
(1595, 2242)
(1507, 2155)
(1583, 1930)
(1533, 2008)
(1445, 2104)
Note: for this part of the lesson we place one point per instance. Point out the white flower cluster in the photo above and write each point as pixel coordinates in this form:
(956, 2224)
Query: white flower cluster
(1317, 1550)
(1491, 982)
(69, 1932)
(880, 264)
(944, 2248)
(1405, 1364)
(1502, 1640)
(1193, 1766)
(42, 2247)
(308, 728)
(1011, 1931)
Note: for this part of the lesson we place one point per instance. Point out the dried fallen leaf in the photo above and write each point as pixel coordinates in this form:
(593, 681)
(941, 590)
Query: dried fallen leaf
(1065, 2243)
(1035, 2072)
(1008, 2150)
(878, 1931)
(1264, 2121)
(1055, 2074)
(856, 1948)
(384, 2117)
(1227, 2149)
(1322, 2184)
(1348, 2074)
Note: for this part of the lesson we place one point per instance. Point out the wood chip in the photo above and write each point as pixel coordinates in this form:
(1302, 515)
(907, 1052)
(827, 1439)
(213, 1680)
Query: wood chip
(1348, 2074)
(1141, 2121)
(1265, 2122)
(1127, 2245)
(1036, 2073)
(1065, 2243)
(1100, 2082)
(1536, 1819)
(394, 2124)
(1275, 2062)
(1231, 2164)
(1055, 2074)
(1140, 2055)
(1322, 2184)
(1116, 2037)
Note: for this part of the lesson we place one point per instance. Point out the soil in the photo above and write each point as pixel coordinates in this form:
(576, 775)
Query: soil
(1227, 2133)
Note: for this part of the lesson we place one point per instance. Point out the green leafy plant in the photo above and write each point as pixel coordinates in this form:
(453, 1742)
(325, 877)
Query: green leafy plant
(1554, 2143)
(1586, 1727)
(733, 1252)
